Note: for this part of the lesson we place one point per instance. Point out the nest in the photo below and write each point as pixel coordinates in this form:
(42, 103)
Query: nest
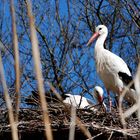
(101, 125)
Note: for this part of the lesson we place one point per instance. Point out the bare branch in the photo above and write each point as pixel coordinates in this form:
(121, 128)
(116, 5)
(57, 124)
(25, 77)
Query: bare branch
(37, 63)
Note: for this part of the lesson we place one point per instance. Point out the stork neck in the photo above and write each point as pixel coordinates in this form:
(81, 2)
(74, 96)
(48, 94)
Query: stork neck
(100, 42)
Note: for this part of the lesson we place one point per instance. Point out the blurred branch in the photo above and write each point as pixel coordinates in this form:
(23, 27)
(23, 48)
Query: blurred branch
(55, 69)
(73, 123)
(16, 55)
(133, 13)
(137, 87)
(8, 103)
(37, 64)
(98, 11)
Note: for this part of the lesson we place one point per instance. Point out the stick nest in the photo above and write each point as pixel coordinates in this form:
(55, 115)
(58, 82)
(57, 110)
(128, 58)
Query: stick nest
(101, 125)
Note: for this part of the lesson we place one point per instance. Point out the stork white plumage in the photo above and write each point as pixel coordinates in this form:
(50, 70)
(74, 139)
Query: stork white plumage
(82, 102)
(98, 96)
(108, 65)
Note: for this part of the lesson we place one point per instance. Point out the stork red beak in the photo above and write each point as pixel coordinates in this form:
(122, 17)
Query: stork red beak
(100, 99)
(95, 35)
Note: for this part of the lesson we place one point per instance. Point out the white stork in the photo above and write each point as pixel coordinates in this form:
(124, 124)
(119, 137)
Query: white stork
(81, 102)
(108, 65)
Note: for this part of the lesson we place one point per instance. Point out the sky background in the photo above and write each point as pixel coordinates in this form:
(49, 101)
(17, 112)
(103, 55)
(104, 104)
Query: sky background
(68, 33)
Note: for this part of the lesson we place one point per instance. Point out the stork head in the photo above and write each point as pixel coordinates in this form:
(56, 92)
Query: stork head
(98, 94)
(101, 30)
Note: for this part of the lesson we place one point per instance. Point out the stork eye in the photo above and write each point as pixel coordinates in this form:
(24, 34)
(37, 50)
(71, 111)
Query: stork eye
(97, 92)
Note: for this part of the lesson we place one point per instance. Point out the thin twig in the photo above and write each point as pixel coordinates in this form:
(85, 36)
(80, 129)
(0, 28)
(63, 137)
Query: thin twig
(137, 87)
(95, 136)
(16, 55)
(37, 64)
(110, 135)
(73, 123)
(120, 108)
(135, 107)
(8, 103)
(130, 111)
(120, 104)
(122, 131)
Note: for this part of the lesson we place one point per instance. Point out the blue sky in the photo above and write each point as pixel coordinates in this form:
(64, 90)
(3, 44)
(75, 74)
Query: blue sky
(80, 35)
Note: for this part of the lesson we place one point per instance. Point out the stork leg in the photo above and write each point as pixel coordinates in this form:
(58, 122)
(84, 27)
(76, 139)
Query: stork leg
(110, 102)
(117, 101)
(120, 92)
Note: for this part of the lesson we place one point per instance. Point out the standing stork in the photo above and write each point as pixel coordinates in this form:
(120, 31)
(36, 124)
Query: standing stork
(108, 65)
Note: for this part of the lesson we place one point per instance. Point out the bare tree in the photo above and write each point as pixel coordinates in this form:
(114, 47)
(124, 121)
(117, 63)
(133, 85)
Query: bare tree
(63, 30)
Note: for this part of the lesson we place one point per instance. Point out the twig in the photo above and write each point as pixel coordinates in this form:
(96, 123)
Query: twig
(131, 110)
(73, 123)
(110, 135)
(16, 55)
(135, 107)
(8, 103)
(39, 77)
(120, 104)
(122, 131)
(95, 136)
(137, 87)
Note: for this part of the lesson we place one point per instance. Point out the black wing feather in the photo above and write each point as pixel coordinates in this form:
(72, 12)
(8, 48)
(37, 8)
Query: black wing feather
(126, 78)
